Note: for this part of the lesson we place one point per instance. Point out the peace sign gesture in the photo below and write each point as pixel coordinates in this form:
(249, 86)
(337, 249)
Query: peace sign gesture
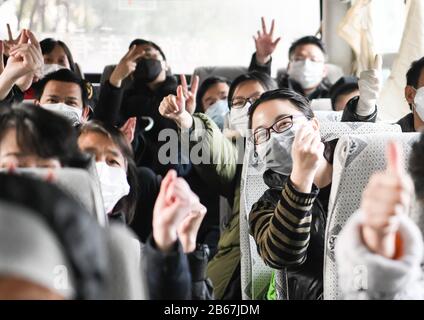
(8, 44)
(265, 43)
(190, 95)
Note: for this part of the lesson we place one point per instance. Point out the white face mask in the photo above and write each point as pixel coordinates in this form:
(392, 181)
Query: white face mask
(308, 73)
(276, 152)
(419, 102)
(114, 184)
(50, 68)
(73, 114)
(239, 119)
(217, 112)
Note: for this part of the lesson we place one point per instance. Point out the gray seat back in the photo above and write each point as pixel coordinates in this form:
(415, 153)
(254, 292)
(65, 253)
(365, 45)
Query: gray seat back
(78, 184)
(356, 158)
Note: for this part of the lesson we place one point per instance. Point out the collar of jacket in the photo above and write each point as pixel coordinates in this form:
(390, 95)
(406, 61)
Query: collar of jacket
(168, 86)
(118, 216)
(274, 180)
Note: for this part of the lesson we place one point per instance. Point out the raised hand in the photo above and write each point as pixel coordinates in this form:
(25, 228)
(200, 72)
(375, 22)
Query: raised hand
(25, 57)
(387, 195)
(126, 66)
(265, 43)
(173, 204)
(174, 108)
(23, 66)
(8, 44)
(307, 152)
(190, 95)
(189, 227)
(370, 85)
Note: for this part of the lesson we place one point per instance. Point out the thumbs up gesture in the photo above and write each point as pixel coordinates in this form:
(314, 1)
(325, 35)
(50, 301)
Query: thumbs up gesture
(387, 195)
(370, 85)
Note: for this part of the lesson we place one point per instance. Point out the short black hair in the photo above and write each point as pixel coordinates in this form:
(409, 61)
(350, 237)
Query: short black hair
(42, 133)
(47, 45)
(65, 75)
(416, 167)
(307, 40)
(128, 203)
(414, 73)
(344, 85)
(205, 86)
(140, 42)
(299, 101)
(265, 81)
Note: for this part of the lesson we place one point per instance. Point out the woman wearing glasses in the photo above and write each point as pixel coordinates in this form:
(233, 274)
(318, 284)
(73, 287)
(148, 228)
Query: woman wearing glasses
(223, 172)
(288, 221)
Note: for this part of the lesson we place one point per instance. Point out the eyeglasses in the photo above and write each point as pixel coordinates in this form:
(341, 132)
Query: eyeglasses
(240, 102)
(262, 135)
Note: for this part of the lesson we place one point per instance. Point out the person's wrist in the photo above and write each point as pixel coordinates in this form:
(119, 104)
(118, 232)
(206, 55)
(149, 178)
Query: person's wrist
(185, 120)
(115, 79)
(262, 59)
(165, 237)
(8, 78)
(302, 180)
(379, 242)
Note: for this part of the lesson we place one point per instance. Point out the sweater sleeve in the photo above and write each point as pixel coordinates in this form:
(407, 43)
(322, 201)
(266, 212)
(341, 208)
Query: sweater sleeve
(282, 231)
(213, 156)
(108, 107)
(363, 274)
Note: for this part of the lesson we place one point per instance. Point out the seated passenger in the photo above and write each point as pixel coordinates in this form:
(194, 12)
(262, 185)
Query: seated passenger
(126, 189)
(288, 221)
(145, 63)
(306, 71)
(57, 56)
(212, 99)
(379, 252)
(66, 94)
(222, 172)
(115, 168)
(414, 94)
(343, 91)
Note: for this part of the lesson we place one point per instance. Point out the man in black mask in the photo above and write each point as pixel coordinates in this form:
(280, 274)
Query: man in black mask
(145, 64)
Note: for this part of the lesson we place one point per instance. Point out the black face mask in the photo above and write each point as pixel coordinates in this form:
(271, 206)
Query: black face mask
(147, 70)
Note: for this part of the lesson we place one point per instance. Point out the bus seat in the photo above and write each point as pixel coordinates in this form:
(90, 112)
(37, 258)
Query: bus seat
(335, 130)
(328, 116)
(363, 153)
(322, 104)
(227, 72)
(334, 72)
(80, 184)
(127, 273)
(255, 275)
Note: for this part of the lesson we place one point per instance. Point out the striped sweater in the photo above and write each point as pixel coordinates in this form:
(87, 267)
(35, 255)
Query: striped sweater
(282, 230)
